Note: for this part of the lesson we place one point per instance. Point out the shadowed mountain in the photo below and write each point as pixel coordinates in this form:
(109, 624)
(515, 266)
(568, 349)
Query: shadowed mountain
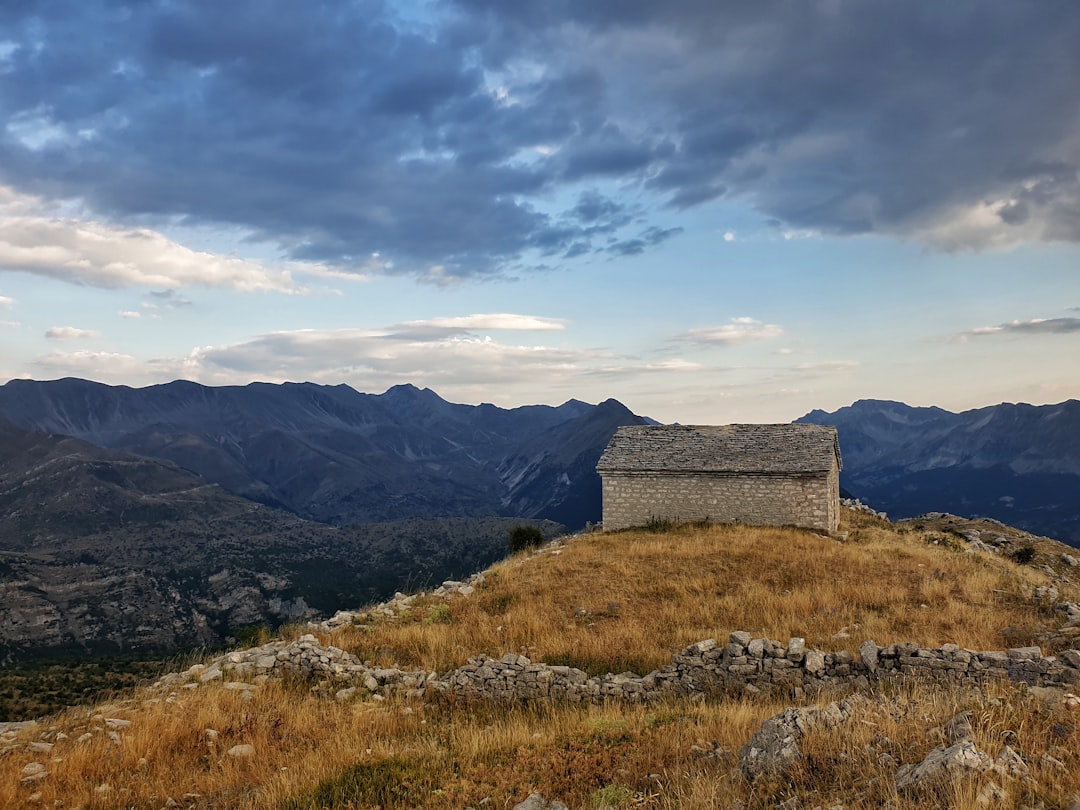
(103, 550)
(332, 454)
(1016, 463)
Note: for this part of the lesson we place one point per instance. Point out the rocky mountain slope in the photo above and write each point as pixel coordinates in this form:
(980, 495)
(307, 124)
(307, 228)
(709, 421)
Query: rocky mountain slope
(103, 550)
(1016, 463)
(332, 454)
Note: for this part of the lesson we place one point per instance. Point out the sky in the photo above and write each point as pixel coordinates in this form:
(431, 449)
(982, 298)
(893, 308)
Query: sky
(711, 211)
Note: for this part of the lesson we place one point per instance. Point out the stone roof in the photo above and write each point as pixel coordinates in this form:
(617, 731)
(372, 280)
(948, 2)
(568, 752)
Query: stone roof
(771, 449)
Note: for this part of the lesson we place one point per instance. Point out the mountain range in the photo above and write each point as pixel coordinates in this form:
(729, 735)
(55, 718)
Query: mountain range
(1014, 462)
(178, 515)
(334, 455)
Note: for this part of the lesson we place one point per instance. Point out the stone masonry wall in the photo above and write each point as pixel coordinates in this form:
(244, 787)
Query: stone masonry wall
(633, 499)
(745, 665)
(749, 665)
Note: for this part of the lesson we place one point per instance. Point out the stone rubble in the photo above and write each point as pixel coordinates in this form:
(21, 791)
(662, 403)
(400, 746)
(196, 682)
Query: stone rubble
(744, 664)
(858, 506)
(400, 604)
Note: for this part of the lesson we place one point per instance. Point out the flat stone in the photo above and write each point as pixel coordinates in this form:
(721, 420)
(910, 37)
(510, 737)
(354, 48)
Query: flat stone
(815, 662)
(740, 637)
(868, 654)
(244, 751)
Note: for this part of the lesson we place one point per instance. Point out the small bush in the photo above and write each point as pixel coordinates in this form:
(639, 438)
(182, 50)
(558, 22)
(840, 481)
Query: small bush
(439, 614)
(661, 525)
(523, 537)
(1023, 555)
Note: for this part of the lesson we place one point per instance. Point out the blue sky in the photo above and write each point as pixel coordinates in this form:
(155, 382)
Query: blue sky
(710, 211)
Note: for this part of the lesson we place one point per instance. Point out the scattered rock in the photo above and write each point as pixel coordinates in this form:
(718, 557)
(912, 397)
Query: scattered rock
(774, 748)
(32, 772)
(1010, 766)
(244, 751)
(944, 764)
(990, 795)
(538, 802)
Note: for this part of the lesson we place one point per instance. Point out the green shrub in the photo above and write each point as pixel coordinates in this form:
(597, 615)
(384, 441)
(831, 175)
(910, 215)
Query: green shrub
(438, 614)
(523, 537)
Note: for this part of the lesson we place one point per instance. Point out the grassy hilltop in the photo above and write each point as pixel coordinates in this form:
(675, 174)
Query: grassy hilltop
(606, 603)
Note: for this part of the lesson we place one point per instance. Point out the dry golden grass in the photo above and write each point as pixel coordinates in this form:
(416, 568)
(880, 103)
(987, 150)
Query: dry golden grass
(672, 589)
(628, 600)
(400, 755)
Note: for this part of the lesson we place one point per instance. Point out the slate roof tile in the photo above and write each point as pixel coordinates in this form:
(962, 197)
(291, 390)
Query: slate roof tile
(769, 449)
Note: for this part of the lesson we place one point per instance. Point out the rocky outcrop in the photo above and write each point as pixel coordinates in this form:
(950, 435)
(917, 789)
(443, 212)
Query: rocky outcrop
(774, 748)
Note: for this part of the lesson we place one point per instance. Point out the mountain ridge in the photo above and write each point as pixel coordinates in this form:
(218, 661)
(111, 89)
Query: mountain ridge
(331, 453)
(1016, 462)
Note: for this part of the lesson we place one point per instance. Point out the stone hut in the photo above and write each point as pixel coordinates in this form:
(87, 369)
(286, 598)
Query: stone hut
(771, 475)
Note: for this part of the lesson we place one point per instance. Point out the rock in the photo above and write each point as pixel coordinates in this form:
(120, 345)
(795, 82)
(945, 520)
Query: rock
(39, 747)
(958, 729)
(212, 673)
(944, 764)
(990, 795)
(739, 637)
(774, 748)
(116, 723)
(1053, 763)
(241, 751)
(32, 772)
(1069, 559)
(796, 649)
(1047, 594)
(815, 662)
(1010, 766)
(868, 655)
(538, 802)
(1070, 658)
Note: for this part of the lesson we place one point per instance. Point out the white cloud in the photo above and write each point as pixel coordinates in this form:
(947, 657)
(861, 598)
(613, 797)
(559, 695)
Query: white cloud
(130, 314)
(70, 333)
(35, 238)
(503, 320)
(828, 365)
(92, 365)
(740, 330)
(6, 303)
(10, 324)
(729, 236)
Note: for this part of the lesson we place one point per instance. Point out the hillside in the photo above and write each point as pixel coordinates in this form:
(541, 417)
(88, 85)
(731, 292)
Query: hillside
(605, 603)
(1013, 462)
(334, 455)
(105, 551)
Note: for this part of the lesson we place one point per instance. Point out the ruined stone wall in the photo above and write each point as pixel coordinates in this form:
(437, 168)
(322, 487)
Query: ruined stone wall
(744, 665)
(747, 665)
(810, 500)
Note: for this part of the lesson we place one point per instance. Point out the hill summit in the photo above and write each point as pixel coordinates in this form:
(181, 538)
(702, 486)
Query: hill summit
(370, 712)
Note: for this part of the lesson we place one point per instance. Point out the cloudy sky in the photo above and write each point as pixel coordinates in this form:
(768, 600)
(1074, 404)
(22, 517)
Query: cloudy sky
(711, 211)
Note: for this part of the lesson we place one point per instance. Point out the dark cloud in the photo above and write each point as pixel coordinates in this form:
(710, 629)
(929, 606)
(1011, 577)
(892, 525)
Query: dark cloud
(1038, 326)
(335, 130)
